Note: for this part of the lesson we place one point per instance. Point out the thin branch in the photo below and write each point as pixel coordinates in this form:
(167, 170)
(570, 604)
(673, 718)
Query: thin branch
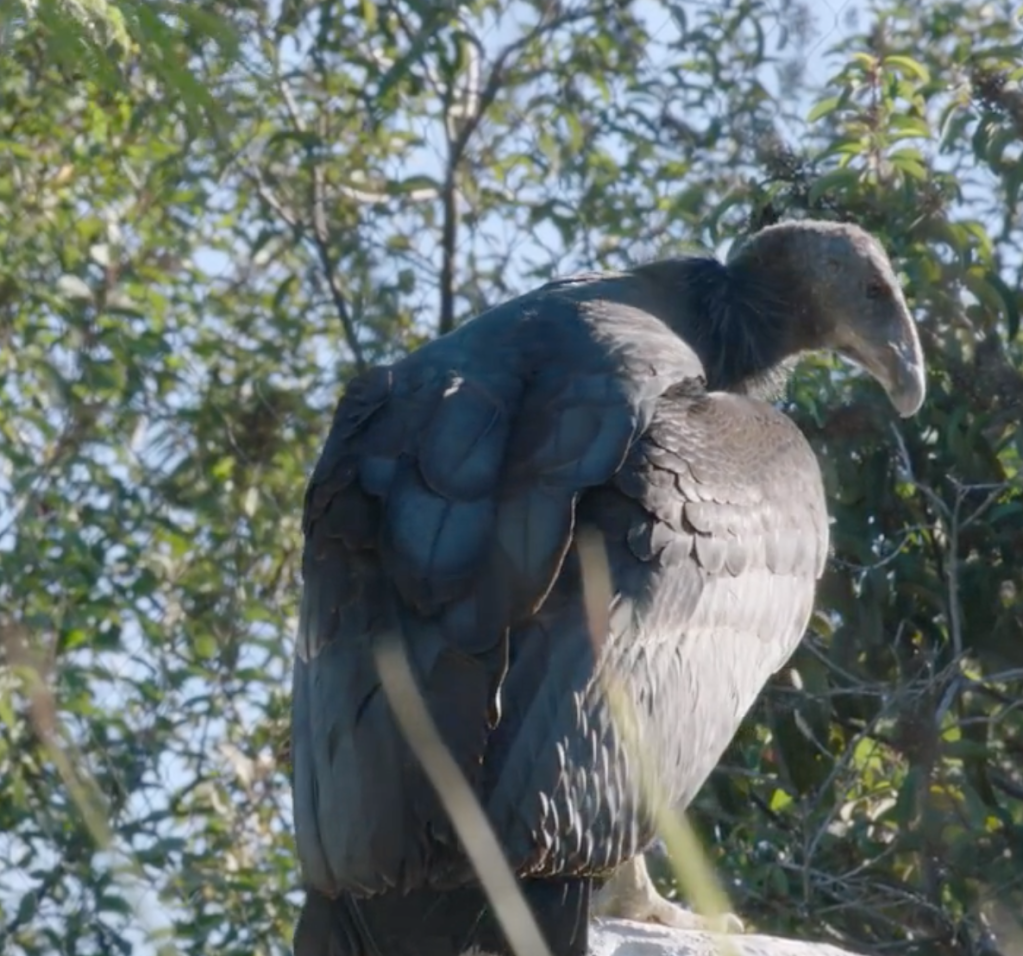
(472, 110)
(320, 230)
(321, 242)
(69, 441)
(319, 236)
(44, 889)
(448, 240)
(286, 213)
(995, 491)
(841, 764)
(469, 107)
(1006, 784)
(903, 542)
(952, 525)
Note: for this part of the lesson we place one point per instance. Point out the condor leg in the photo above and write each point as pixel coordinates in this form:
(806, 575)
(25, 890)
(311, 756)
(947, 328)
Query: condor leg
(631, 894)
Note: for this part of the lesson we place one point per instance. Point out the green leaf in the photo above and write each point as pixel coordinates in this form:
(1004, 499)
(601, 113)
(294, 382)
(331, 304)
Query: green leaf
(912, 125)
(304, 138)
(74, 289)
(998, 142)
(907, 152)
(369, 14)
(837, 179)
(204, 645)
(717, 213)
(909, 66)
(867, 61)
(905, 162)
(823, 108)
(1011, 300)
(402, 68)
(846, 148)
(416, 184)
(978, 282)
(952, 127)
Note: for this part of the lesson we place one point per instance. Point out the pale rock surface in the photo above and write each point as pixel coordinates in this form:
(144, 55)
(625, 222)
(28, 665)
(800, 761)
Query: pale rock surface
(619, 937)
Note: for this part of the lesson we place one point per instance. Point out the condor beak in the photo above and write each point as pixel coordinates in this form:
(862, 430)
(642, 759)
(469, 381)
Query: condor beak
(906, 382)
(891, 353)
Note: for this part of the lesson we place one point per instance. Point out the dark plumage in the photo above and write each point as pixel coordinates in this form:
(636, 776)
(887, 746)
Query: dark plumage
(443, 511)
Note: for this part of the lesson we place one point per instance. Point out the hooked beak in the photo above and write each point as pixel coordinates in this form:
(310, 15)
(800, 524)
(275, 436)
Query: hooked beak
(906, 384)
(895, 359)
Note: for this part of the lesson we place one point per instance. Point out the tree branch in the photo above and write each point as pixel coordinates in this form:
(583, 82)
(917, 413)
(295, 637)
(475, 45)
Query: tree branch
(321, 242)
(319, 230)
(471, 111)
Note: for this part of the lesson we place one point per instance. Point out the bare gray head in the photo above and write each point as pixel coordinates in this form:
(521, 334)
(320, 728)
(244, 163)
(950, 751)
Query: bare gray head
(840, 291)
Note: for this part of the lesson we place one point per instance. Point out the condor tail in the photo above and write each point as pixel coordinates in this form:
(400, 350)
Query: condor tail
(440, 923)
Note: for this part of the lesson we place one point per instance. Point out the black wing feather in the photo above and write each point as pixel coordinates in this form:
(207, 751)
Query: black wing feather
(441, 511)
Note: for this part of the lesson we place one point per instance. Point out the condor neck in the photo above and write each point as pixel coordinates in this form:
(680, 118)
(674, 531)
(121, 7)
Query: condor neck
(740, 318)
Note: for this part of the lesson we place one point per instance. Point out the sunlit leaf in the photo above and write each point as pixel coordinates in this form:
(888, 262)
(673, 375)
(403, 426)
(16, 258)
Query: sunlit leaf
(908, 65)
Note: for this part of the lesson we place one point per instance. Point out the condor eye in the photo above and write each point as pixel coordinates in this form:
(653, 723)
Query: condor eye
(875, 290)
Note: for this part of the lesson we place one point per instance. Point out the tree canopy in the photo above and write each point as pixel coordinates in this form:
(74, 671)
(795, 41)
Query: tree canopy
(212, 214)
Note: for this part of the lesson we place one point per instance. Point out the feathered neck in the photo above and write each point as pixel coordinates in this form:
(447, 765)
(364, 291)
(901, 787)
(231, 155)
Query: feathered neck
(747, 320)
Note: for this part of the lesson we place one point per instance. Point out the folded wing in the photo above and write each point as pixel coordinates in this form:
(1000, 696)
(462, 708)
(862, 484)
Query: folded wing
(441, 509)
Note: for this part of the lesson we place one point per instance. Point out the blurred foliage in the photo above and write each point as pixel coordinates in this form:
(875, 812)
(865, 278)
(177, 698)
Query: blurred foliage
(183, 291)
(103, 40)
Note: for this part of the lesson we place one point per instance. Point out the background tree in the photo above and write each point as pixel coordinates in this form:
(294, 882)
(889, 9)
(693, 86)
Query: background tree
(183, 294)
